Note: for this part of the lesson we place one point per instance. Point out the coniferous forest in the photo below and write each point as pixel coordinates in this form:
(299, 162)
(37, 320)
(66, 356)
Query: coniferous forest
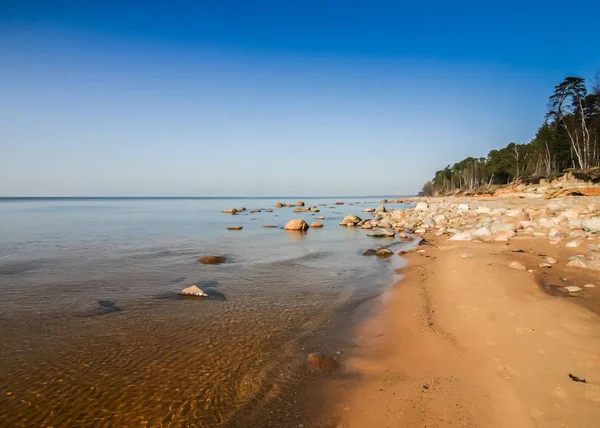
(568, 138)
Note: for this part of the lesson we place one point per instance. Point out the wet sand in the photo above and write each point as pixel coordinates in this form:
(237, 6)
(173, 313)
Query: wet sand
(470, 342)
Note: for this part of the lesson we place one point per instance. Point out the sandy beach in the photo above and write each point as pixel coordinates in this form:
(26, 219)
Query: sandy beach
(465, 340)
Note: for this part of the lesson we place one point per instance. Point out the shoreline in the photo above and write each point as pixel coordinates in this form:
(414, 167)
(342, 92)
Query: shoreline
(464, 339)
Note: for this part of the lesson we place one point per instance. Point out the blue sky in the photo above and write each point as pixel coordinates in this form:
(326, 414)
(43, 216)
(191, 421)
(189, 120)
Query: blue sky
(266, 98)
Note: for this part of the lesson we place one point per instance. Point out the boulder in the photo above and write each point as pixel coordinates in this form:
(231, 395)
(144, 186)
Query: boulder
(241, 209)
(369, 210)
(296, 224)
(230, 211)
(463, 207)
(235, 228)
(380, 209)
(462, 236)
(299, 210)
(316, 224)
(591, 225)
(192, 290)
(369, 252)
(381, 233)
(300, 204)
(350, 220)
(278, 205)
(384, 252)
(212, 260)
(421, 206)
(367, 226)
(315, 210)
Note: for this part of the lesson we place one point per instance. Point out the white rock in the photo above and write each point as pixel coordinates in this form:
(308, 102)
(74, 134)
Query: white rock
(462, 236)
(551, 260)
(193, 290)
(483, 210)
(421, 206)
(573, 244)
(589, 286)
(463, 207)
(516, 265)
(572, 288)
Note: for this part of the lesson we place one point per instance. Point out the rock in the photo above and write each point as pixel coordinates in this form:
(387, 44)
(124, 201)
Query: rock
(584, 262)
(384, 201)
(516, 265)
(339, 203)
(384, 252)
(463, 207)
(551, 260)
(299, 210)
(369, 252)
(315, 210)
(573, 244)
(269, 210)
(369, 210)
(591, 225)
(483, 210)
(193, 291)
(589, 286)
(483, 232)
(466, 255)
(278, 205)
(230, 211)
(212, 260)
(380, 209)
(320, 218)
(316, 224)
(367, 226)
(545, 265)
(421, 206)
(502, 226)
(241, 209)
(270, 226)
(296, 224)
(300, 204)
(235, 228)
(350, 220)
(462, 236)
(572, 288)
(381, 233)
(503, 235)
(322, 362)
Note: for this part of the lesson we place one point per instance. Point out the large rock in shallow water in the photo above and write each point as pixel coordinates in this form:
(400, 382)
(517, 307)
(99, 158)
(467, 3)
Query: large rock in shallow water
(297, 224)
(316, 224)
(381, 233)
(322, 362)
(384, 252)
(193, 291)
(351, 220)
(212, 260)
(380, 209)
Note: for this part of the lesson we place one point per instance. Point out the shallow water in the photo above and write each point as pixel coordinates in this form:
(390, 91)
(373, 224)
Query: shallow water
(94, 333)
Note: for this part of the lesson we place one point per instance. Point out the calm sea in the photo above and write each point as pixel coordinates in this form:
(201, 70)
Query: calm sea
(94, 333)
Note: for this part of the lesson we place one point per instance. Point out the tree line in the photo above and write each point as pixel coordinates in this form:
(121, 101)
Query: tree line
(568, 138)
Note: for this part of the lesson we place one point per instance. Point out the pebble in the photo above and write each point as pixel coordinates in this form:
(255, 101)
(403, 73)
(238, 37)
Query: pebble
(545, 265)
(516, 265)
(572, 288)
(466, 255)
(589, 286)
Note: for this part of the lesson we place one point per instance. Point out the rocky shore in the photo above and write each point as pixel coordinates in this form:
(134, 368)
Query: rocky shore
(494, 323)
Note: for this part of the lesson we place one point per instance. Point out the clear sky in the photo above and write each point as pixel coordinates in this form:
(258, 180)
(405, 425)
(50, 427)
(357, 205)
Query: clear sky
(228, 98)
